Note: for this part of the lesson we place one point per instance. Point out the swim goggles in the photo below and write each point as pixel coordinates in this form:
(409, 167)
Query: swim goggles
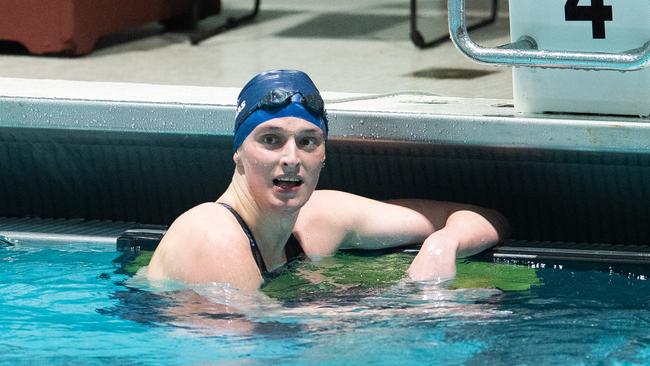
(280, 98)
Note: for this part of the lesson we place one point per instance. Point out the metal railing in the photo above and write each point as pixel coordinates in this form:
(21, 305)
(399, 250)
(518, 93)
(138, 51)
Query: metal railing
(524, 51)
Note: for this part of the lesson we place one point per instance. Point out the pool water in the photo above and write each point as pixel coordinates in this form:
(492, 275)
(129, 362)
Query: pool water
(76, 305)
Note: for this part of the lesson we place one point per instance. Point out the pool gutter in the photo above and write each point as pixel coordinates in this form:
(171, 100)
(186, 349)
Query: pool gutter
(145, 153)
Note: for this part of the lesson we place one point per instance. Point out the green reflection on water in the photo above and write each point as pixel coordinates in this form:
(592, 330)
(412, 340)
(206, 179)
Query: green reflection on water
(368, 272)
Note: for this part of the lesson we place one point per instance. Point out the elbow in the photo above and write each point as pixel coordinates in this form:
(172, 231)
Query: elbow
(495, 219)
(499, 223)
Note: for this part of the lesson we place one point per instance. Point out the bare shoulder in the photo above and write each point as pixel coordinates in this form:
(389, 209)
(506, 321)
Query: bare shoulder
(325, 220)
(326, 205)
(204, 244)
(337, 205)
(330, 200)
(207, 221)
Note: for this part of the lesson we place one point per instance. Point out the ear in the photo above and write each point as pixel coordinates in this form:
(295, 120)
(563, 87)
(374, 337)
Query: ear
(235, 157)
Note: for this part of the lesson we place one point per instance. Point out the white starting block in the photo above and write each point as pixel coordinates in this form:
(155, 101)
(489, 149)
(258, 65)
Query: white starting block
(577, 56)
(587, 26)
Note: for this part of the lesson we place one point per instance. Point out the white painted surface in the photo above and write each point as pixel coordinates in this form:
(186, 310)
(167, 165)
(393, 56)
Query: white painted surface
(409, 102)
(605, 92)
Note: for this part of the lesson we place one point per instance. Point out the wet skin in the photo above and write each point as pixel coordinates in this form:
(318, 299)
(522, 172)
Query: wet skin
(276, 171)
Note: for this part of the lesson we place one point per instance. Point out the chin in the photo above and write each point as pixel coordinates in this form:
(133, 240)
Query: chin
(289, 205)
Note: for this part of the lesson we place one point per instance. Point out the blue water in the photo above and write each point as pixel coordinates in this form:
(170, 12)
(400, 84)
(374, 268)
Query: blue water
(70, 305)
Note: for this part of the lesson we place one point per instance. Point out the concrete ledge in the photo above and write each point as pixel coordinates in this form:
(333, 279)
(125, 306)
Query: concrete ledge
(404, 117)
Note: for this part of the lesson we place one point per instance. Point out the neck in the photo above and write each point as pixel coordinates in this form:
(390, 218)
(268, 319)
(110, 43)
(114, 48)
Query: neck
(271, 227)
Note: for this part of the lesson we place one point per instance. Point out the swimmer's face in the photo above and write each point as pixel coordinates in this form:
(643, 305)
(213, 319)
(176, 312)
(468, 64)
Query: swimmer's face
(281, 161)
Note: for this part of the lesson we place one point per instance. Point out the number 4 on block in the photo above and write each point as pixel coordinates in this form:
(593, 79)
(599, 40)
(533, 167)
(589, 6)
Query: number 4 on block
(597, 13)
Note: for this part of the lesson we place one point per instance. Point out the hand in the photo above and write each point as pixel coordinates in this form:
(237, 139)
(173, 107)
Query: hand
(436, 260)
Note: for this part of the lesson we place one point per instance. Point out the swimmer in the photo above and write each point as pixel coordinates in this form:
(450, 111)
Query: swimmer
(271, 213)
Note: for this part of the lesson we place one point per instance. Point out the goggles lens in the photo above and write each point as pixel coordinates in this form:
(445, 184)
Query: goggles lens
(279, 98)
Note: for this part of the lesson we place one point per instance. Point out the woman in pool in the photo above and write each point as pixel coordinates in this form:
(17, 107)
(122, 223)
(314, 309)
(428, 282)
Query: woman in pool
(271, 214)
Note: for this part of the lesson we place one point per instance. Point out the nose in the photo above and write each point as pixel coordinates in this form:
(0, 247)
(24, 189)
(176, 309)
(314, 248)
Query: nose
(290, 160)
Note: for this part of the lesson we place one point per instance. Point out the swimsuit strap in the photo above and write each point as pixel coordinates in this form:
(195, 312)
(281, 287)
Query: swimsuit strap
(254, 248)
(293, 250)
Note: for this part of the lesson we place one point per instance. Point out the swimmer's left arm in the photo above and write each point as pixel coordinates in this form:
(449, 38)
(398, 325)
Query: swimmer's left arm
(379, 225)
(363, 223)
(467, 231)
(446, 229)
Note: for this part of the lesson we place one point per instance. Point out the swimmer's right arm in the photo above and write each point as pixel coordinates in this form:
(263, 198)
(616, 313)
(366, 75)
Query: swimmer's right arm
(203, 246)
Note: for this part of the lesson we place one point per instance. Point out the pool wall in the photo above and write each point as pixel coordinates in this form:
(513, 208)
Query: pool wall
(146, 153)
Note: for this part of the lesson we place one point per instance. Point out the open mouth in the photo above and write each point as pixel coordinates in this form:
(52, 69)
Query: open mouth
(287, 182)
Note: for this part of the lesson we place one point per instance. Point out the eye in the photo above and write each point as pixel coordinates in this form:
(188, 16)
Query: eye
(270, 139)
(309, 142)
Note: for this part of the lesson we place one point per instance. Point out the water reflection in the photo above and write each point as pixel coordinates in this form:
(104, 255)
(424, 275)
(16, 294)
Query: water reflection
(219, 309)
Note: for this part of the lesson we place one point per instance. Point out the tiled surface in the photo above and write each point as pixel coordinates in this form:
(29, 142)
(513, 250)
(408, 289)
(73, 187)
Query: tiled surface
(360, 46)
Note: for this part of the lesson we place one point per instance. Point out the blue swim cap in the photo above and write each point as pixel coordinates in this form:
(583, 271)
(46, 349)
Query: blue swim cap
(275, 94)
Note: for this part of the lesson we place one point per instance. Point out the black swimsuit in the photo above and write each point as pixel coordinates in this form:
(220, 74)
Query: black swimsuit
(292, 249)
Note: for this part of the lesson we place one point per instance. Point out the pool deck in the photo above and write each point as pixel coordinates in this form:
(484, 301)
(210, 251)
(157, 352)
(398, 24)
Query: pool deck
(360, 47)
